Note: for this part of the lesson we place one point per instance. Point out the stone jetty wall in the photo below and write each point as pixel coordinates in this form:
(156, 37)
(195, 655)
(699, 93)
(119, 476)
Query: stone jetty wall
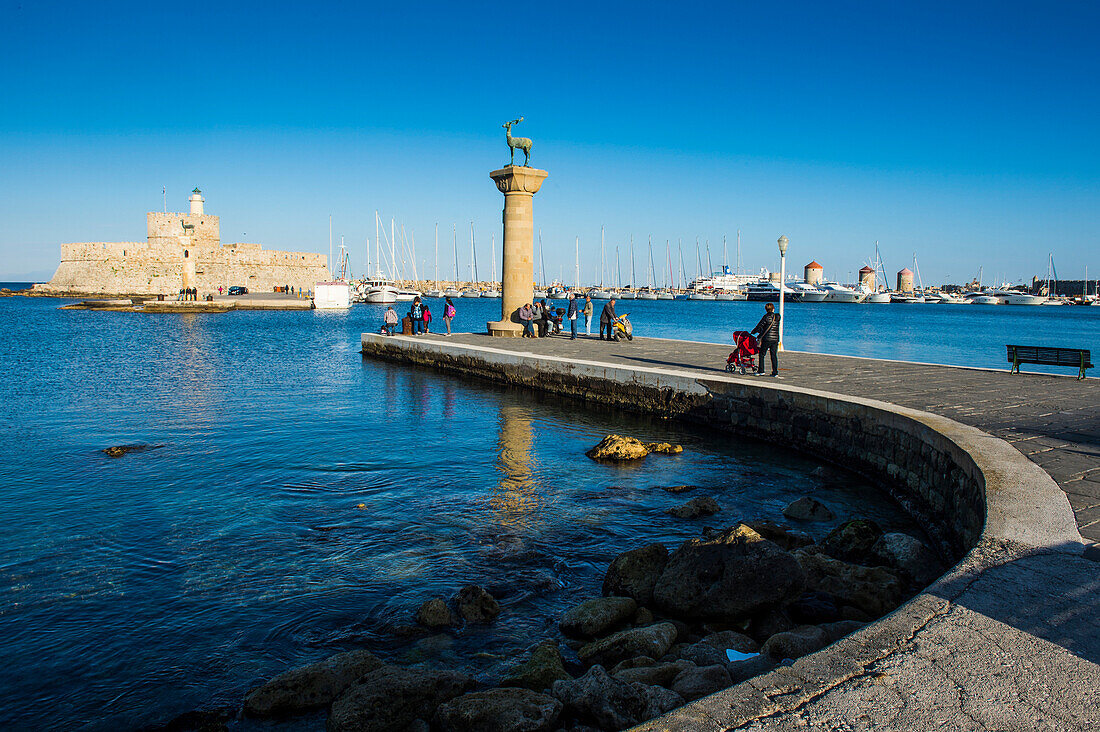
(932, 477)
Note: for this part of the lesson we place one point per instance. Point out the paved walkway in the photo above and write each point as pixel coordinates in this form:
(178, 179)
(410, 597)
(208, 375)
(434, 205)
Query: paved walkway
(1053, 420)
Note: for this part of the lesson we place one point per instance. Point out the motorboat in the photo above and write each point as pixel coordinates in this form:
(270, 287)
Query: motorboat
(625, 295)
(452, 292)
(595, 294)
(907, 298)
(701, 296)
(943, 298)
(983, 298)
(405, 295)
(839, 293)
(434, 293)
(471, 293)
(380, 291)
(809, 292)
(1015, 297)
(538, 294)
(647, 295)
(871, 297)
(491, 292)
(665, 295)
(332, 295)
(768, 291)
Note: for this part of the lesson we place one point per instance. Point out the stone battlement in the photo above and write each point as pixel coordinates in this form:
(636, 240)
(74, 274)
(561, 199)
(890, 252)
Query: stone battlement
(181, 250)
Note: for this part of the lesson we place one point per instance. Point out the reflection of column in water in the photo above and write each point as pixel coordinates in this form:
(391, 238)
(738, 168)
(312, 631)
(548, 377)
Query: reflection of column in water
(448, 399)
(420, 393)
(515, 496)
(389, 391)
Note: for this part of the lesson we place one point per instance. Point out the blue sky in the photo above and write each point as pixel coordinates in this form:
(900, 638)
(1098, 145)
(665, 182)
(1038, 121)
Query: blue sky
(964, 133)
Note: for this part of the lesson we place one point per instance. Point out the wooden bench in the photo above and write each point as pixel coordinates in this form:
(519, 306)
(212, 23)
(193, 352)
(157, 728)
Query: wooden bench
(1045, 356)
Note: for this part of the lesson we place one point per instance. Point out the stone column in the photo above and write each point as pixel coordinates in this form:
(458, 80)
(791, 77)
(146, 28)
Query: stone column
(519, 185)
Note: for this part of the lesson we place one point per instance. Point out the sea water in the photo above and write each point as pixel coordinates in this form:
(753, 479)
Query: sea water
(295, 500)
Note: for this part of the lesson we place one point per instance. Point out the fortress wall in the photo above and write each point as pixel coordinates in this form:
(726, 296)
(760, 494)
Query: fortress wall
(168, 226)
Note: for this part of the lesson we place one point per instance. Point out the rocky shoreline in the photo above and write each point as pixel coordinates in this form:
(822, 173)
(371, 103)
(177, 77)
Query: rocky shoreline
(670, 627)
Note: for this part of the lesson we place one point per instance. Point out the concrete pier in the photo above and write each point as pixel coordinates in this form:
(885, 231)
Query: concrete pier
(1002, 470)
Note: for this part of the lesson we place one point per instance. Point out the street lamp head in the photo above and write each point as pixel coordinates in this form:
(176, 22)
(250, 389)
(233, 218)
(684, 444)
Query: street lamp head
(783, 242)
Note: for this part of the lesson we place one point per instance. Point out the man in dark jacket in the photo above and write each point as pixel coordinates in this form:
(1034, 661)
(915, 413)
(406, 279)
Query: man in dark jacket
(768, 329)
(607, 320)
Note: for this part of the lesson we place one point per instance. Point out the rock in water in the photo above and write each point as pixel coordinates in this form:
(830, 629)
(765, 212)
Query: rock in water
(617, 447)
(435, 614)
(310, 687)
(808, 509)
(476, 605)
(116, 451)
(874, 590)
(910, 555)
(660, 674)
(695, 683)
(696, 507)
(391, 698)
(599, 699)
(542, 668)
(593, 617)
(852, 540)
(783, 536)
(499, 710)
(652, 640)
(634, 573)
(727, 577)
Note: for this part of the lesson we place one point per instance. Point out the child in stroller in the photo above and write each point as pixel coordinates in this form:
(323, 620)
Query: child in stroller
(745, 348)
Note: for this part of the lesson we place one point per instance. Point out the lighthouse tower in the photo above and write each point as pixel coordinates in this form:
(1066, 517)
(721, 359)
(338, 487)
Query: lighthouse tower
(196, 202)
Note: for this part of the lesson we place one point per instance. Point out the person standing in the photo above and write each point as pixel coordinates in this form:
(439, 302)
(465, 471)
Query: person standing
(768, 330)
(571, 313)
(417, 315)
(607, 320)
(448, 314)
(536, 318)
(390, 319)
(587, 315)
(544, 322)
(427, 319)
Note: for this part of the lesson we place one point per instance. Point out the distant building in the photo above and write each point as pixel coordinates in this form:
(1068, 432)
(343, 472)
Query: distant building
(867, 277)
(814, 273)
(181, 250)
(905, 280)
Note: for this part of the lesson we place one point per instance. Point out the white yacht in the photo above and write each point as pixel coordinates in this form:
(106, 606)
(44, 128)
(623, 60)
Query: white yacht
(943, 298)
(809, 292)
(1014, 297)
(625, 295)
(731, 295)
(768, 291)
(452, 292)
(332, 295)
(434, 293)
(983, 298)
(381, 291)
(404, 295)
(870, 297)
(645, 294)
(595, 294)
(665, 295)
(538, 294)
(492, 292)
(471, 293)
(699, 295)
(839, 293)
(911, 298)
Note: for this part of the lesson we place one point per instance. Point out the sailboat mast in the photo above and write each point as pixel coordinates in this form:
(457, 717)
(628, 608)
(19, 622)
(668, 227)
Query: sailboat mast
(577, 265)
(618, 270)
(493, 256)
(668, 261)
(393, 252)
(542, 261)
(330, 268)
(680, 246)
(473, 255)
(436, 254)
(698, 260)
(710, 267)
(377, 251)
(634, 287)
(651, 261)
(740, 264)
(725, 256)
(602, 268)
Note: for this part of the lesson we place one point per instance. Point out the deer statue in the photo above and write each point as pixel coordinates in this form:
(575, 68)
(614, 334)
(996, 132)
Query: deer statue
(523, 143)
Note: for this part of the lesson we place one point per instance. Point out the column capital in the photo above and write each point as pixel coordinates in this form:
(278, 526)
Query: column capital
(518, 179)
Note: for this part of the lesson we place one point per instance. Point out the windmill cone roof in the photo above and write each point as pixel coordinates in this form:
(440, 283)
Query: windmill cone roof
(906, 271)
(866, 269)
(814, 265)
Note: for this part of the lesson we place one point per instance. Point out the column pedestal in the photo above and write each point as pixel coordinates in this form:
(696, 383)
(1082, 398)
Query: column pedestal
(519, 185)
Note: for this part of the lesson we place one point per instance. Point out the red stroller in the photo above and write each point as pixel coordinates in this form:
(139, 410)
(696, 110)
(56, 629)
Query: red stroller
(744, 351)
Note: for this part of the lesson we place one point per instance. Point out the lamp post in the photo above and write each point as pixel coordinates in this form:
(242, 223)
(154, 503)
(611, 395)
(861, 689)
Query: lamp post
(783, 243)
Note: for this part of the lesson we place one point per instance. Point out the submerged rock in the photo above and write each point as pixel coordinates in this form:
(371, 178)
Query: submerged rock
(303, 689)
(808, 509)
(852, 540)
(679, 488)
(664, 447)
(499, 710)
(727, 577)
(652, 640)
(116, 451)
(593, 617)
(435, 614)
(540, 670)
(696, 507)
(599, 699)
(783, 536)
(634, 573)
(910, 555)
(476, 605)
(390, 699)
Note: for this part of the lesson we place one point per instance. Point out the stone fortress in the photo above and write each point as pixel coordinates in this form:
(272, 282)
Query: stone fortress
(183, 250)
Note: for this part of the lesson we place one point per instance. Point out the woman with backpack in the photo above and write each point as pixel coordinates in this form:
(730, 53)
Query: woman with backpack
(417, 315)
(448, 313)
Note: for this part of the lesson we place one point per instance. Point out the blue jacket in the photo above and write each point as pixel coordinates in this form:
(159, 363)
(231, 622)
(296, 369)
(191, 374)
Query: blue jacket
(572, 308)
